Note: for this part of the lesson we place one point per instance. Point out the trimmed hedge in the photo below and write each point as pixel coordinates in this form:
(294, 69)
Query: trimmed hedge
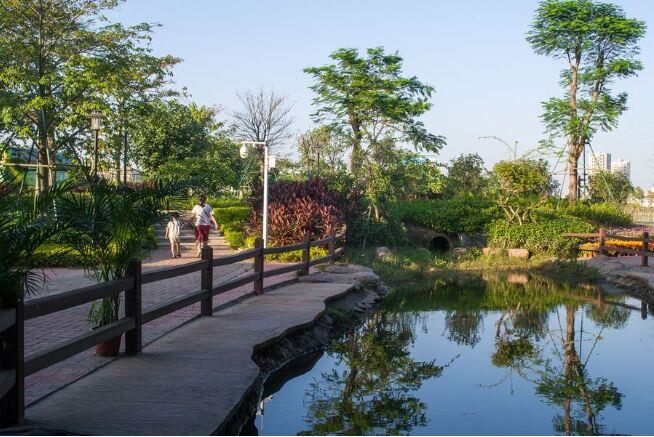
(543, 235)
(599, 214)
(452, 216)
(232, 214)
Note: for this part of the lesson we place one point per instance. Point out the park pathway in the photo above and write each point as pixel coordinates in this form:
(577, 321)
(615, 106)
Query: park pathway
(190, 381)
(47, 331)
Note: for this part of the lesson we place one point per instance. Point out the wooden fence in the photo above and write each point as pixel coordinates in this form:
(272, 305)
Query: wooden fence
(604, 248)
(15, 365)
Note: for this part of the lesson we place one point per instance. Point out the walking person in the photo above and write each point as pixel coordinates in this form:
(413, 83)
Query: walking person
(172, 234)
(203, 219)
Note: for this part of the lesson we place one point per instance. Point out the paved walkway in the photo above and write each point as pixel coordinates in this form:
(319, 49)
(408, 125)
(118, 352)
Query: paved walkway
(188, 382)
(47, 331)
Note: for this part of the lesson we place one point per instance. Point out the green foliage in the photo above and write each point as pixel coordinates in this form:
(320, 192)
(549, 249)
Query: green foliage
(26, 225)
(597, 44)
(231, 215)
(168, 130)
(609, 187)
(466, 176)
(597, 214)
(61, 59)
(542, 235)
(357, 92)
(235, 237)
(461, 214)
(375, 225)
(109, 222)
(296, 255)
(522, 186)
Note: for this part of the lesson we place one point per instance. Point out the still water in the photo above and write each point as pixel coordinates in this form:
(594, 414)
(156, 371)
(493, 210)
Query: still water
(496, 355)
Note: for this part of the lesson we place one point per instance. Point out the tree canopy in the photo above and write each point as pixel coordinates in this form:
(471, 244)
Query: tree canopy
(597, 44)
(370, 95)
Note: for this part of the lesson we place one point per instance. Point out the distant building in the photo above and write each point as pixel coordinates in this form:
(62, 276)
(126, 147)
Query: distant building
(622, 166)
(599, 162)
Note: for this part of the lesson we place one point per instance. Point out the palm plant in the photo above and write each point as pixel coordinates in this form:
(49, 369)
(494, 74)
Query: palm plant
(26, 223)
(111, 223)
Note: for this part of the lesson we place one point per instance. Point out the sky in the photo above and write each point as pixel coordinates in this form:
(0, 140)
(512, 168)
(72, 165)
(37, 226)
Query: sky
(488, 80)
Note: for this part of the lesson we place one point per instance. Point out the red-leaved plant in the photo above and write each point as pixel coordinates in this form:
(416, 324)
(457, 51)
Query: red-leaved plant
(296, 209)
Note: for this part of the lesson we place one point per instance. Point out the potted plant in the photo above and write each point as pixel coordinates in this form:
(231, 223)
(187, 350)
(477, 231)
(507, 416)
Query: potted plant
(111, 222)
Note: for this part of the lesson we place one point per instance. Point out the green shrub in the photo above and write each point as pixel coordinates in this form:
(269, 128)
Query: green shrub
(598, 214)
(57, 255)
(460, 214)
(364, 232)
(232, 214)
(234, 237)
(543, 235)
(296, 255)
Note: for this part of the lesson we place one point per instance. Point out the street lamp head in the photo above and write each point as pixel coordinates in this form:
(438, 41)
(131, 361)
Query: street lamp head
(243, 151)
(96, 118)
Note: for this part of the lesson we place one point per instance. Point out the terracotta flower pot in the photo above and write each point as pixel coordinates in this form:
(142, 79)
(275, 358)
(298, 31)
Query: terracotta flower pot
(109, 348)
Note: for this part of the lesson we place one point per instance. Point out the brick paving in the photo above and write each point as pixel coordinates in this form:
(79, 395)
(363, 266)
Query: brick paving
(47, 331)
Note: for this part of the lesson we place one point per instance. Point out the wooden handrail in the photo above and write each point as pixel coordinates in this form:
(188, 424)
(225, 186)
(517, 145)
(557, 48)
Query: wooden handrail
(12, 320)
(53, 303)
(283, 249)
(282, 270)
(169, 306)
(231, 259)
(42, 359)
(171, 272)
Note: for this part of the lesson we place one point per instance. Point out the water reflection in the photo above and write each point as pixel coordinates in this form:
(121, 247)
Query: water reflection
(539, 340)
(371, 390)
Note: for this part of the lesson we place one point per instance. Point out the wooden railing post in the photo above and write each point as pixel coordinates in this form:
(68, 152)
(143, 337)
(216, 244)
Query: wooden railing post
(602, 240)
(306, 255)
(134, 308)
(206, 282)
(643, 260)
(12, 404)
(258, 266)
(332, 247)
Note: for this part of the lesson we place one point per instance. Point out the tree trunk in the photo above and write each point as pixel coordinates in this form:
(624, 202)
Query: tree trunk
(356, 155)
(573, 188)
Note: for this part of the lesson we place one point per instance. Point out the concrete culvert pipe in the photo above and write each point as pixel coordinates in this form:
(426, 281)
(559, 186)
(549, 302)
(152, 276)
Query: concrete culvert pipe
(440, 243)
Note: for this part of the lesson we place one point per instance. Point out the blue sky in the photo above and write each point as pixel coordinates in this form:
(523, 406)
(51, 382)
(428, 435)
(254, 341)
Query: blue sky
(488, 81)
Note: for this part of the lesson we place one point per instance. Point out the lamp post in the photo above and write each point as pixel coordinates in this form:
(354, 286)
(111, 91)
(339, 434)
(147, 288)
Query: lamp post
(96, 121)
(268, 162)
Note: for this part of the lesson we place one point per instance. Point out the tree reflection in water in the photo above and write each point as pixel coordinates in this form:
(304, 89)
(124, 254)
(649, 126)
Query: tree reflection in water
(539, 336)
(371, 390)
(561, 375)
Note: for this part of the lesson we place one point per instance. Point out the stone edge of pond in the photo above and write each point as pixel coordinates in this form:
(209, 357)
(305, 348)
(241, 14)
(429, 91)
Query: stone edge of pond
(623, 277)
(340, 315)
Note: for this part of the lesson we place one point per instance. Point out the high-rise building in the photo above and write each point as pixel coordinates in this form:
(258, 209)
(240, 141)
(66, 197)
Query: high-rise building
(599, 162)
(622, 166)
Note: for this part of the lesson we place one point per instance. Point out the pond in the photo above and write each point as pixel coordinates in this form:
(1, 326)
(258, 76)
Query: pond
(506, 354)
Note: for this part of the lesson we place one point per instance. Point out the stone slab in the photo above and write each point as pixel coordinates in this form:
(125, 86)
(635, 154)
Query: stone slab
(191, 380)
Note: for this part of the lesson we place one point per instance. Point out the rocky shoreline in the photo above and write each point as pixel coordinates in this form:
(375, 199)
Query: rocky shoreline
(624, 275)
(340, 316)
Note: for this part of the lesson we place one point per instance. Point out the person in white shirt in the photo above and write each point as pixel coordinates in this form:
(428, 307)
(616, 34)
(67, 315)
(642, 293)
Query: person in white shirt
(203, 218)
(172, 234)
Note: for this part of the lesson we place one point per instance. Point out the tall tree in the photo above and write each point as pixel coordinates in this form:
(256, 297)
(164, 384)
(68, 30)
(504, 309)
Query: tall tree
(371, 96)
(55, 59)
(321, 149)
(168, 130)
(466, 175)
(263, 116)
(133, 77)
(598, 44)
